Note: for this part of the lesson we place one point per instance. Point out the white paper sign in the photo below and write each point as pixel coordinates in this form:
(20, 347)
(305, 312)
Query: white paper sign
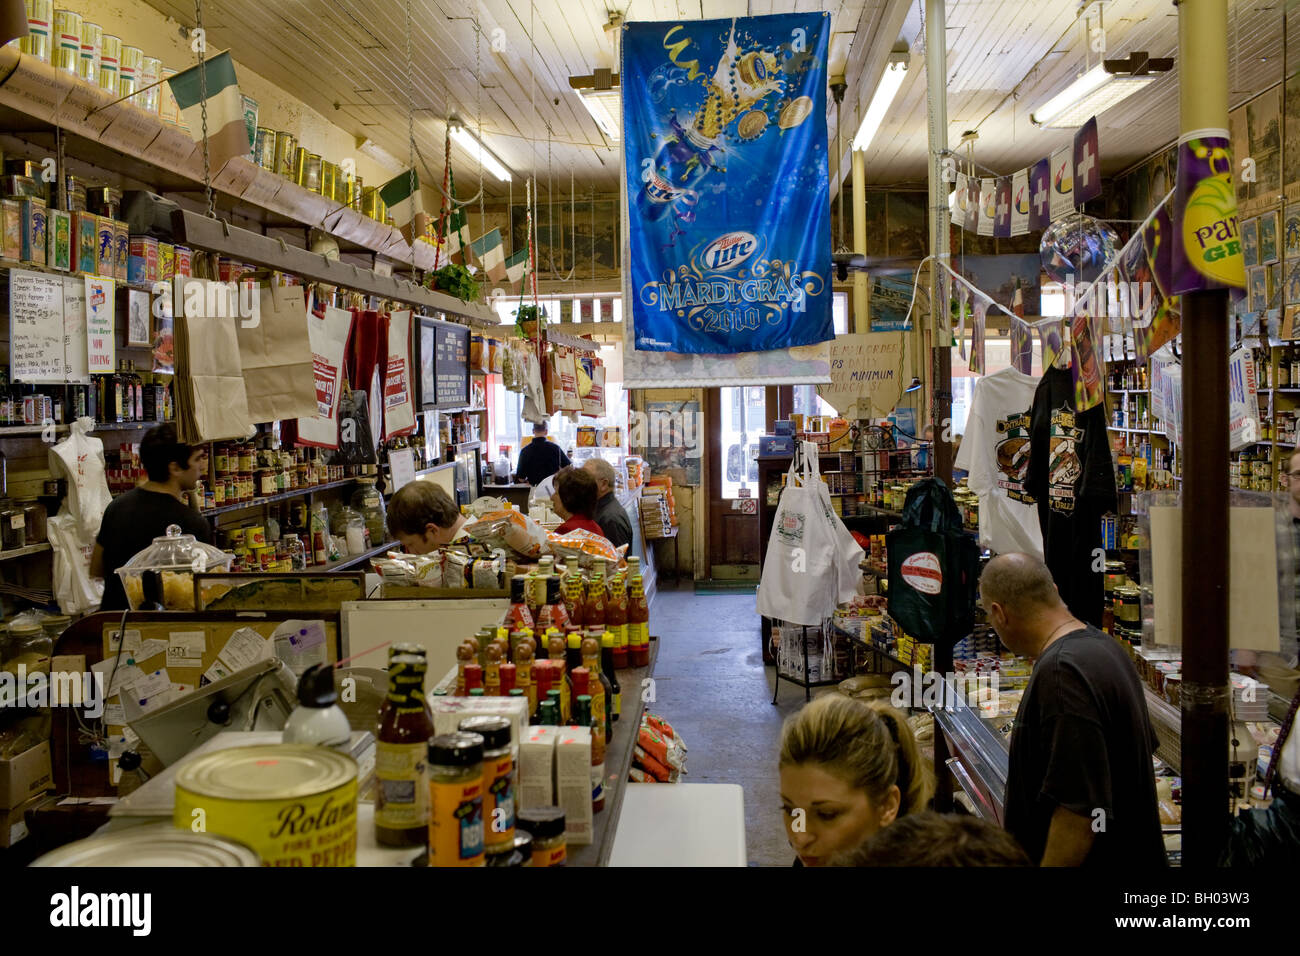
(100, 344)
(185, 649)
(35, 327)
(1243, 401)
(402, 463)
(146, 651)
(244, 649)
(866, 373)
(114, 680)
(76, 366)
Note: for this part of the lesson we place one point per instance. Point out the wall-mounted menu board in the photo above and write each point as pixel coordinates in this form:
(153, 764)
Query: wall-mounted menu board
(36, 346)
(444, 364)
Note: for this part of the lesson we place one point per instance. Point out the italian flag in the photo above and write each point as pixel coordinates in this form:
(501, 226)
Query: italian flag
(515, 266)
(401, 195)
(227, 131)
(489, 252)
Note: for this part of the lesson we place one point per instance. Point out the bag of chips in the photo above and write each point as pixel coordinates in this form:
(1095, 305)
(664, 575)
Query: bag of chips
(583, 546)
(509, 529)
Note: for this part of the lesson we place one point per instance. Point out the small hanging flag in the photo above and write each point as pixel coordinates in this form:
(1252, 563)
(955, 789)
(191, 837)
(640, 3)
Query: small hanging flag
(401, 195)
(1087, 168)
(1020, 203)
(227, 130)
(988, 206)
(1062, 183)
(1002, 222)
(1040, 178)
(490, 254)
(515, 266)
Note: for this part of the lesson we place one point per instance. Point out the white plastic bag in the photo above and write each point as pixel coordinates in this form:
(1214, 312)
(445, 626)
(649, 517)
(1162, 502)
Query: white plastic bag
(812, 559)
(80, 459)
(77, 592)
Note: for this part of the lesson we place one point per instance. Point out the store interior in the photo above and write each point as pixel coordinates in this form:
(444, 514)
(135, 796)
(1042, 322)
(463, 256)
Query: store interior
(821, 315)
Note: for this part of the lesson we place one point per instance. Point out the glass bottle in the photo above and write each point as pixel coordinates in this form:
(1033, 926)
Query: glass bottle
(518, 616)
(138, 383)
(524, 651)
(638, 616)
(556, 649)
(616, 611)
(402, 795)
(609, 670)
(602, 692)
(593, 614)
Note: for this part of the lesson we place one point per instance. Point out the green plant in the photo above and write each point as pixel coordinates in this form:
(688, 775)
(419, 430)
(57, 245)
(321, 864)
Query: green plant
(527, 313)
(456, 280)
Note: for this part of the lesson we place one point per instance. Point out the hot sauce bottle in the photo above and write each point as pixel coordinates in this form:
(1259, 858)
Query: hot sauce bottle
(492, 671)
(402, 800)
(638, 616)
(594, 608)
(607, 668)
(616, 611)
(556, 649)
(464, 657)
(524, 673)
(518, 616)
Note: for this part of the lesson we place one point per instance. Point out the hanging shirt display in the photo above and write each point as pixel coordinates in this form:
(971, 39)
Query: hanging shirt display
(1072, 479)
(995, 452)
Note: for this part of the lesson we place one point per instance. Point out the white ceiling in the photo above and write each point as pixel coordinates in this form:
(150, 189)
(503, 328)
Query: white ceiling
(1005, 57)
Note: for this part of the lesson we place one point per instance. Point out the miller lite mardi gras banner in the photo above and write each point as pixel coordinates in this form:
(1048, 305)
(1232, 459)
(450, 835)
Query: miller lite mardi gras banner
(724, 125)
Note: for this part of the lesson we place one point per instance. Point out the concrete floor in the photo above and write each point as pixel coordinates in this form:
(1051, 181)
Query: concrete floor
(711, 685)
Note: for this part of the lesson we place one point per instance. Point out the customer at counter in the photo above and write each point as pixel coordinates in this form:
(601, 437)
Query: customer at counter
(847, 770)
(576, 490)
(423, 517)
(1080, 786)
(540, 458)
(132, 520)
(613, 520)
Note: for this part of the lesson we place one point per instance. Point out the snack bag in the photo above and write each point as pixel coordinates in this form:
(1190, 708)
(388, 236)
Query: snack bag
(656, 768)
(661, 749)
(509, 529)
(583, 546)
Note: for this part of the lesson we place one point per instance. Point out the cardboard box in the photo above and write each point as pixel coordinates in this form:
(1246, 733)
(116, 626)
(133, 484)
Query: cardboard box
(121, 251)
(13, 822)
(537, 767)
(573, 782)
(771, 445)
(58, 250)
(106, 248)
(25, 776)
(142, 265)
(166, 261)
(448, 712)
(34, 222)
(85, 249)
(11, 220)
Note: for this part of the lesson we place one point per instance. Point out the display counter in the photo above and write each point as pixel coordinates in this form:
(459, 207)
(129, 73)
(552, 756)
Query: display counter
(978, 765)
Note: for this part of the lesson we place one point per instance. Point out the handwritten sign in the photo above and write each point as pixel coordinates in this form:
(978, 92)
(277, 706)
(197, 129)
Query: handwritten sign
(76, 362)
(402, 463)
(99, 324)
(35, 327)
(451, 365)
(868, 373)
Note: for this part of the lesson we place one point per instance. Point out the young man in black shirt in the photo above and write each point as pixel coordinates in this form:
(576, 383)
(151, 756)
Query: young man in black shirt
(1080, 785)
(540, 458)
(133, 520)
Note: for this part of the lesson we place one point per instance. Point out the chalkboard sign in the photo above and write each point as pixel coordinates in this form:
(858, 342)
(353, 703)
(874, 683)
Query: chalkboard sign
(444, 364)
(36, 351)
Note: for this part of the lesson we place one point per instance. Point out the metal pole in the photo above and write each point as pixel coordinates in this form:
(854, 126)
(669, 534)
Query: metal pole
(936, 69)
(1203, 105)
(859, 239)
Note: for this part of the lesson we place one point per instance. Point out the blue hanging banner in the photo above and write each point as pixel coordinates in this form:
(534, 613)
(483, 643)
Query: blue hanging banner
(724, 126)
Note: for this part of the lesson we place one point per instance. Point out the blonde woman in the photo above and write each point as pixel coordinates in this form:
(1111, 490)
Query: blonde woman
(847, 769)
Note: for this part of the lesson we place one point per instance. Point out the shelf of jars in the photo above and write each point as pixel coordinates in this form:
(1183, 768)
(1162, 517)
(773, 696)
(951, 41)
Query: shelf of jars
(30, 549)
(258, 500)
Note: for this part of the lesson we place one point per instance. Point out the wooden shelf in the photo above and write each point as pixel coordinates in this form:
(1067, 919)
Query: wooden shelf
(344, 563)
(281, 496)
(24, 552)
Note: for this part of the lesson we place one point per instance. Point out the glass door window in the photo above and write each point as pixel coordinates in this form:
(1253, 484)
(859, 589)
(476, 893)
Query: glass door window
(743, 419)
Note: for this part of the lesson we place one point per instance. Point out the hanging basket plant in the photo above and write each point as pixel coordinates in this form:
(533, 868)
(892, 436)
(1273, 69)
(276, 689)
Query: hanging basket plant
(526, 319)
(455, 280)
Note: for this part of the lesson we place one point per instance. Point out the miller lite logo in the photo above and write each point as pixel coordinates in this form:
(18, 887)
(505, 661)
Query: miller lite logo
(728, 251)
(658, 190)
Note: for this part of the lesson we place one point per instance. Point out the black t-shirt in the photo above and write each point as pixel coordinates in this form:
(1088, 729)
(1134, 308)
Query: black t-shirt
(540, 459)
(131, 522)
(1071, 477)
(1082, 740)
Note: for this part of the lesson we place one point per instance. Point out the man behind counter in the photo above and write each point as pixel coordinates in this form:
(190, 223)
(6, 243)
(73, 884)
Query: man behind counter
(613, 520)
(133, 520)
(540, 458)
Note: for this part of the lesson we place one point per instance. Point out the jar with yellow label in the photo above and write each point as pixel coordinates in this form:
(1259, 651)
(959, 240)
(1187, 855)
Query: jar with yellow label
(498, 781)
(546, 826)
(456, 800)
(1128, 606)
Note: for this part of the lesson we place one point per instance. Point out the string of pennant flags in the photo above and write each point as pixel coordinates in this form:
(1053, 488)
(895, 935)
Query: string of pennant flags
(1034, 197)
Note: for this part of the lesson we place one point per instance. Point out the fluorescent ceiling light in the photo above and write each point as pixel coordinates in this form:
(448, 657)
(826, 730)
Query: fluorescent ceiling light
(368, 147)
(606, 108)
(1091, 94)
(465, 139)
(895, 73)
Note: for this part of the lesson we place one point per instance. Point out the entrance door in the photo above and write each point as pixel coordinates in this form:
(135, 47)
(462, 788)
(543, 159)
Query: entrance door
(737, 417)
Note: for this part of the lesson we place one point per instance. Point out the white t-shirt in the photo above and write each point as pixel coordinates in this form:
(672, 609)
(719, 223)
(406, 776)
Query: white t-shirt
(995, 453)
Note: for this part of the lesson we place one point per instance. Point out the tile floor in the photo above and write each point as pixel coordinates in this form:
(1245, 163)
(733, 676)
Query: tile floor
(711, 685)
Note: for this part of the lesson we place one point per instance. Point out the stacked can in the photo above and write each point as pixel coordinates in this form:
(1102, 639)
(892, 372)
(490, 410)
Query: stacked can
(285, 147)
(66, 41)
(92, 39)
(40, 22)
(168, 109)
(264, 148)
(129, 71)
(150, 75)
(110, 61)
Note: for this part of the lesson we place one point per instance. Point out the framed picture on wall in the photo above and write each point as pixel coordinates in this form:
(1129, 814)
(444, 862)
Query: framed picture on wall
(1250, 242)
(1257, 287)
(1268, 246)
(137, 319)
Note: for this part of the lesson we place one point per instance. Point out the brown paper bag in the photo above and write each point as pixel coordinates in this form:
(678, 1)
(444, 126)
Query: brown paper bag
(276, 356)
(210, 398)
